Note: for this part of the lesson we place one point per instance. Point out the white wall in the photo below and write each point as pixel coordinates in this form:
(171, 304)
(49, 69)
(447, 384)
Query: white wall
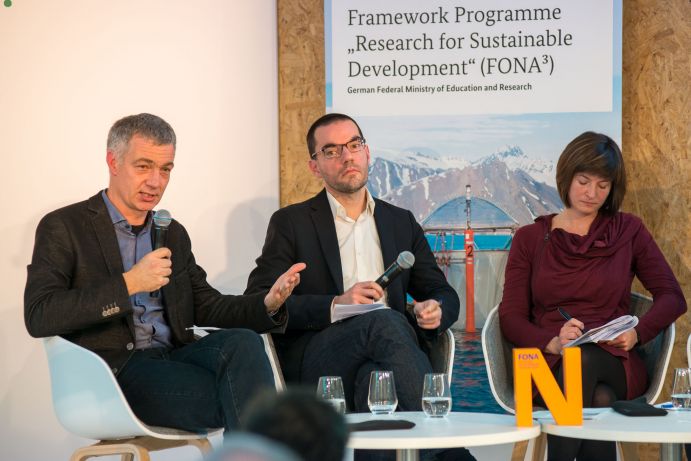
(68, 70)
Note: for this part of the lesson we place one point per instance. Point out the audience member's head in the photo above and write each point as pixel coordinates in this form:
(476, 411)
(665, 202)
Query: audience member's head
(298, 419)
(596, 154)
(249, 447)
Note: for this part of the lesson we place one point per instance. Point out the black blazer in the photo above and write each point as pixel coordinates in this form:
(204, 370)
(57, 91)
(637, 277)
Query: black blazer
(75, 287)
(305, 232)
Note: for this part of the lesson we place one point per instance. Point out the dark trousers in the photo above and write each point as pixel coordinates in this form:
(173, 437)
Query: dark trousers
(206, 384)
(379, 340)
(352, 349)
(604, 381)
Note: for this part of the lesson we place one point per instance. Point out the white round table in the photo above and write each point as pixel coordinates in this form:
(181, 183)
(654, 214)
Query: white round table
(455, 430)
(671, 430)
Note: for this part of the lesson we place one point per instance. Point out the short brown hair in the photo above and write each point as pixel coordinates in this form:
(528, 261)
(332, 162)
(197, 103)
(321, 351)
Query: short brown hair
(324, 120)
(597, 154)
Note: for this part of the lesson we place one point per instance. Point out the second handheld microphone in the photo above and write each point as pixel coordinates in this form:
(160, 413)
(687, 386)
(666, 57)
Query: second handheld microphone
(404, 261)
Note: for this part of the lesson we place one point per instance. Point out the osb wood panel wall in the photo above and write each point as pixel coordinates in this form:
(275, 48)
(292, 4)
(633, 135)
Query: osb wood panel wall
(657, 138)
(301, 94)
(656, 130)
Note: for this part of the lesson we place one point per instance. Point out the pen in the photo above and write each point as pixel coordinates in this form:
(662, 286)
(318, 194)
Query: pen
(567, 316)
(564, 313)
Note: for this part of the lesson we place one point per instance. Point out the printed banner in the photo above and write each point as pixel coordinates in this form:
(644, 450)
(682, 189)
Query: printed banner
(471, 57)
(476, 98)
(537, 73)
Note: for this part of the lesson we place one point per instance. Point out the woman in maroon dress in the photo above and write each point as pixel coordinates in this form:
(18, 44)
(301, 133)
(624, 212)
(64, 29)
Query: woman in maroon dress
(584, 260)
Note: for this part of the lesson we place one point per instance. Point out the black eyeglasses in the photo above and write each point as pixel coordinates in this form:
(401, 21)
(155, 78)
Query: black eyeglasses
(331, 151)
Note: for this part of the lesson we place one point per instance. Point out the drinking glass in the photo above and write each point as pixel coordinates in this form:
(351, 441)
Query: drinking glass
(382, 399)
(681, 391)
(436, 395)
(330, 388)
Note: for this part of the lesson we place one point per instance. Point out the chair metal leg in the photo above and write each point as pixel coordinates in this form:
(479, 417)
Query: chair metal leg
(671, 452)
(409, 454)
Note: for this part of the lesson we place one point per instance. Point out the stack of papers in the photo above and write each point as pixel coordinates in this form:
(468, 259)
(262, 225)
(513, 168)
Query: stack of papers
(344, 311)
(607, 331)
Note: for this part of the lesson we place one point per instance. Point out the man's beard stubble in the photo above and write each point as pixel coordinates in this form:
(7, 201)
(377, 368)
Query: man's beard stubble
(347, 188)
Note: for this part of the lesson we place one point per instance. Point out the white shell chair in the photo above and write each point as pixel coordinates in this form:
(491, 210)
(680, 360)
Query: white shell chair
(89, 403)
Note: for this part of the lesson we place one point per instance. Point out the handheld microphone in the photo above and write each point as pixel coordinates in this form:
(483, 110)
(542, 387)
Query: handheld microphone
(162, 219)
(404, 261)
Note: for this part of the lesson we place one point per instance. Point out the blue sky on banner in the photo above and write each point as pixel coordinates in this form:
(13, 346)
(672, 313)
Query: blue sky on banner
(422, 162)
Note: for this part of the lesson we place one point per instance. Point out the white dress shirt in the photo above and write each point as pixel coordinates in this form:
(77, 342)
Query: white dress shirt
(358, 244)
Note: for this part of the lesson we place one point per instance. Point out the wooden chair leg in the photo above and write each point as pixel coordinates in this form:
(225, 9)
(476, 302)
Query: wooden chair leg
(137, 448)
(540, 447)
(105, 448)
(628, 451)
(518, 452)
(202, 444)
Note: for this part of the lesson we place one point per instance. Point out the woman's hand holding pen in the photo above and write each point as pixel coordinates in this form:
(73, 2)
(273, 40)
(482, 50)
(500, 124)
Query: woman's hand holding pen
(572, 329)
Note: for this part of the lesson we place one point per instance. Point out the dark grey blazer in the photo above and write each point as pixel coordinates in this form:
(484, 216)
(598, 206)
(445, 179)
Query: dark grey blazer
(75, 287)
(305, 232)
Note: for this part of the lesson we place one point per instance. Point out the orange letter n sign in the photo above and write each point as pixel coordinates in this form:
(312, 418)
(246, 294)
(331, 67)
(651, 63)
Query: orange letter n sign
(529, 365)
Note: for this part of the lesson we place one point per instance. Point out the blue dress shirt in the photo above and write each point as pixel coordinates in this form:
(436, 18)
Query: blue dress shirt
(150, 325)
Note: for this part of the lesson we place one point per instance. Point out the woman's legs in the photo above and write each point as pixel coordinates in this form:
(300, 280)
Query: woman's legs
(604, 381)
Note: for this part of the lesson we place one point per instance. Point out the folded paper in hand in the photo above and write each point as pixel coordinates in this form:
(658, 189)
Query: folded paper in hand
(607, 331)
(344, 311)
(207, 329)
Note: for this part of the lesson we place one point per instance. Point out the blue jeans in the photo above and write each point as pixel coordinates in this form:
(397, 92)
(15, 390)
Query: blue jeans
(379, 340)
(206, 384)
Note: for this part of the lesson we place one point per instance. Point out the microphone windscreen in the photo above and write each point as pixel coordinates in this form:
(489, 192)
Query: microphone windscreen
(162, 218)
(406, 260)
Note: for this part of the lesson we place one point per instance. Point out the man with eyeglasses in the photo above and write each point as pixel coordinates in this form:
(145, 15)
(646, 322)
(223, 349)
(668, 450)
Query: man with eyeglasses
(347, 238)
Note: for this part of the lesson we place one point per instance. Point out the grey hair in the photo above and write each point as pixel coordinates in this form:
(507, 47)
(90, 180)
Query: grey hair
(146, 125)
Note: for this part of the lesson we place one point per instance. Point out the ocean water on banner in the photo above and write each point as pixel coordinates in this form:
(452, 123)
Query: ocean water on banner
(470, 389)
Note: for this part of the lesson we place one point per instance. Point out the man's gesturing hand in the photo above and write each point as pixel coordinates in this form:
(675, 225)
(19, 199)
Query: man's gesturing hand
(150, 273)
(283, 287)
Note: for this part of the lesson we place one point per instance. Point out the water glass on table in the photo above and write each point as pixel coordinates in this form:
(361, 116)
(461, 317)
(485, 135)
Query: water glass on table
(330, 388)
(382, 399)
(681, 390)
(436, 395)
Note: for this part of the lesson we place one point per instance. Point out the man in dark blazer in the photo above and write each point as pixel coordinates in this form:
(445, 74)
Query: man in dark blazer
(347, 238)
(95, 280)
